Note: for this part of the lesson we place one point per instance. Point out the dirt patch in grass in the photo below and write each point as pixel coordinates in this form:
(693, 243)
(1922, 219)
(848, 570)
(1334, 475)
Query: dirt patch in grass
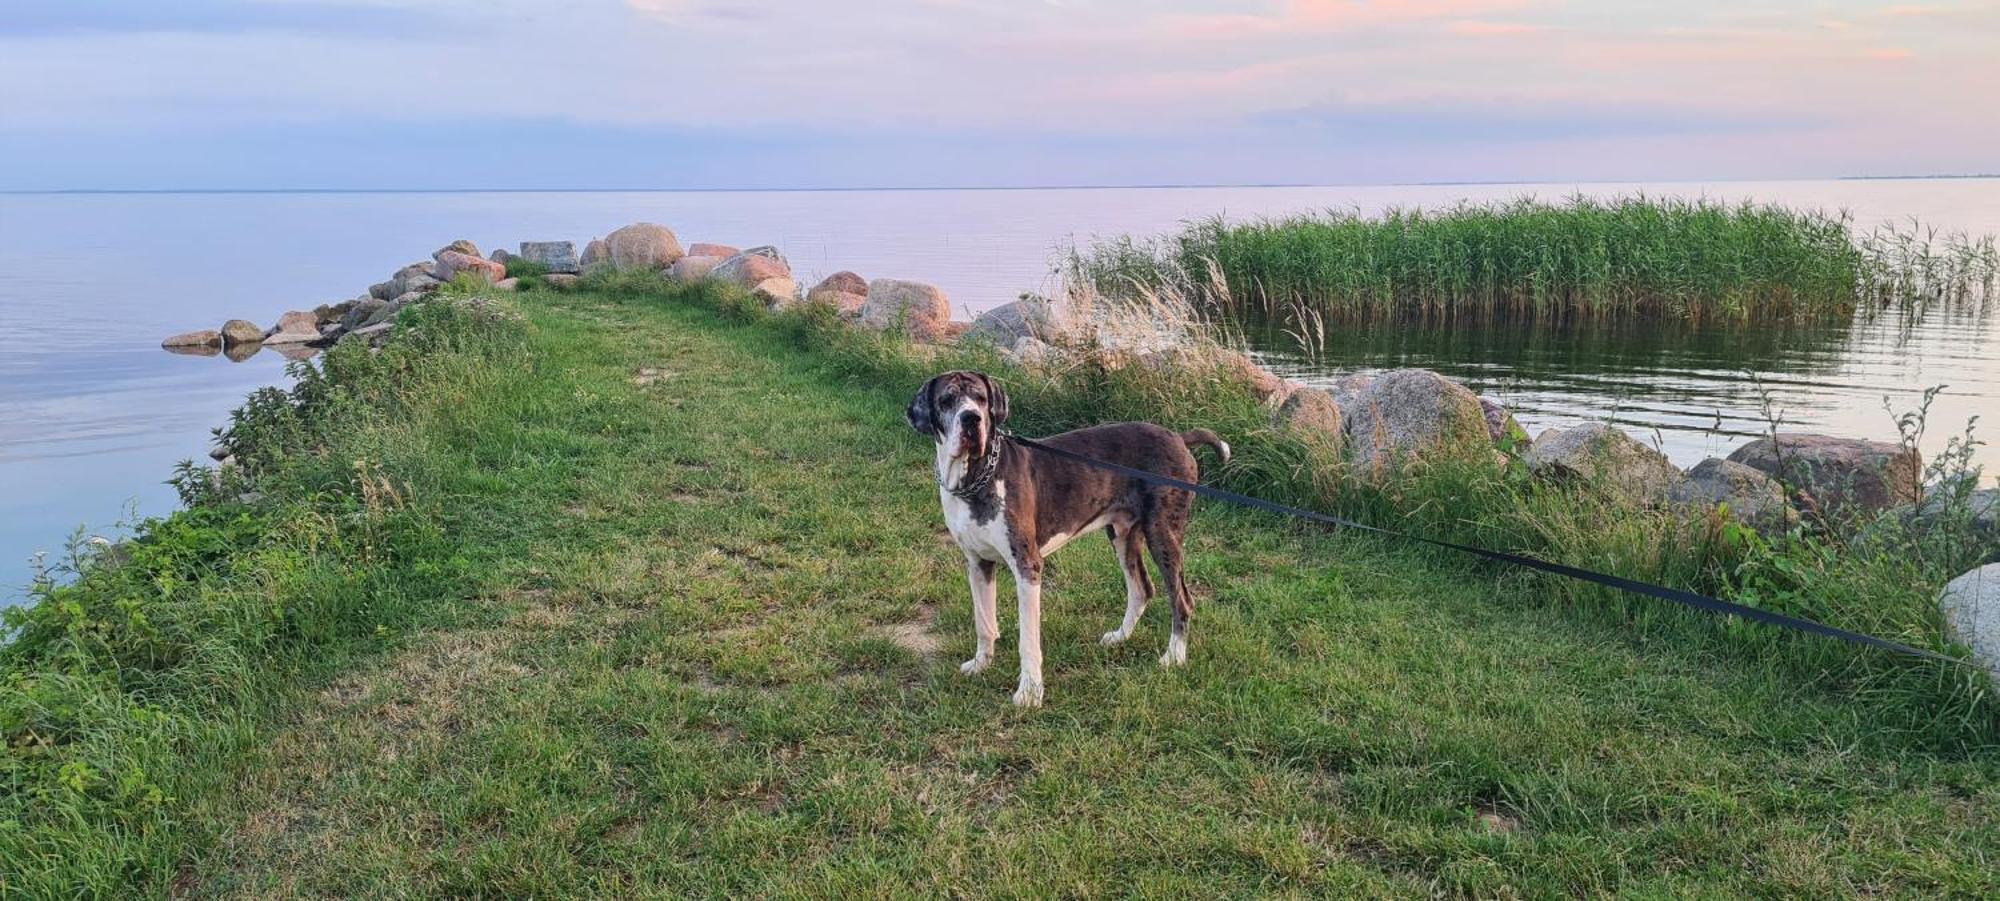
(914, 635)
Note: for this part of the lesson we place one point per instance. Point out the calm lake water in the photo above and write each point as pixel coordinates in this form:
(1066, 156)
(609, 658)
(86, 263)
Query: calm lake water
(93, 414)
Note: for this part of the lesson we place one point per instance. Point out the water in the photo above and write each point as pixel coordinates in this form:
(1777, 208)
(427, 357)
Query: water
(93, 414)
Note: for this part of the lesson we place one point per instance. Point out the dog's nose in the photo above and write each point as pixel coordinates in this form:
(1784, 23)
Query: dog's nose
(969, 417)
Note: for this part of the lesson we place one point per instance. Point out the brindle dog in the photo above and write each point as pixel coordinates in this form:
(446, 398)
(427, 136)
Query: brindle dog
(1009, 504)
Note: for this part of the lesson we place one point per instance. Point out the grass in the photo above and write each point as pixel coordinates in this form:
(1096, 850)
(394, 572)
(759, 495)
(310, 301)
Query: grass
(1583, 257)
(648, 595)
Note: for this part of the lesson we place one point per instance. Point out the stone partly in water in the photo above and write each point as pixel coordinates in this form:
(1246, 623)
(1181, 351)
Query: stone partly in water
(920, 309)
(1602, 455)
(237, 353)
(1405, 415)
(296, 327)
(557, 256)
(643, 245)
(241, 331)
(1752, 498)
(206, 338)
(1971, 608)
(1839, 477)
(1029, 317)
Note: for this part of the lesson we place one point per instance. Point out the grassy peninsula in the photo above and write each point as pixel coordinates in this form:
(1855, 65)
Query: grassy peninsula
(1665, 257)
(639, 589)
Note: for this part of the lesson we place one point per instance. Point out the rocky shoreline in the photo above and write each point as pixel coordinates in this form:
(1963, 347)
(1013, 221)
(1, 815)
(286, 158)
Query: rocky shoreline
(1374, 423)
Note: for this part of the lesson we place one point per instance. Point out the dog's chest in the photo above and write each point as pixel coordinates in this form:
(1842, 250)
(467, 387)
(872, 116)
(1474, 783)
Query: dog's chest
(987, 540)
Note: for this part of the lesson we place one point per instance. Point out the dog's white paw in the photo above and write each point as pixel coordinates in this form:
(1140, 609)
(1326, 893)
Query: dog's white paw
(1029, 694)
(1115, 636)
(1176, 654)
(974, 666)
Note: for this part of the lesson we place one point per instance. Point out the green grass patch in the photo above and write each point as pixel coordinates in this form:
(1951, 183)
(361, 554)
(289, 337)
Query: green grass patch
(1686, 259)
(619, 601)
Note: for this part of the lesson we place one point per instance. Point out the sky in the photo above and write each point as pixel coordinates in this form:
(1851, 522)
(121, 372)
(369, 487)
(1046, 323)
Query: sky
(449, 94)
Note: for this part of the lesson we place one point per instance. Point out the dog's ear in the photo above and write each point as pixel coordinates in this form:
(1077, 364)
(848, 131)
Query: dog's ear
(996, 400)
(919, 413)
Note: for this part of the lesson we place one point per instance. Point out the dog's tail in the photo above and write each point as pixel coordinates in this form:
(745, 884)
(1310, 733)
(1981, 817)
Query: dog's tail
(1194, 438)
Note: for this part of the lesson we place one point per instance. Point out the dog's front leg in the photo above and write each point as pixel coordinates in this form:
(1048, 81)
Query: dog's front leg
(985, 612)
(1028, 588)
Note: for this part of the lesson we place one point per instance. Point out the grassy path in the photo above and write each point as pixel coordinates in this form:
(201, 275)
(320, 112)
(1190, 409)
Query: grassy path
(718, 656)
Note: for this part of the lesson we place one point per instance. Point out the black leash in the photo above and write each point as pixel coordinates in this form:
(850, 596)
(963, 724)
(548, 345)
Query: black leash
(1676, 595)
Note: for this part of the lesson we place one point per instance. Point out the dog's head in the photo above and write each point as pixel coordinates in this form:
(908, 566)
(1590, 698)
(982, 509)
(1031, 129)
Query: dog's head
(960, 410)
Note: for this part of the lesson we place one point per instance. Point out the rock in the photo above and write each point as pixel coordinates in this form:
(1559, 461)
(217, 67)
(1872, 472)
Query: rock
(719, 251)
(747, 270)
(414, 277)
(241, 331)
(1404, 415)
(373, 334)
(690, 269)
(1032, 352)
(952, 330)
(1602, 455)
(383, 290)
(766, 250)
(1971, 608)
(1500, 425)
(776, 293)
(1311, 415)
(295, 327)
(1978, 509)
(384, 314)
(842, 290)
(643, 245)
(451, 263)
(1029, 317)
(362, 312)
(459, 246)
(1841, 477)
(558, 256)
(562, 280)
(237, 353)
(1753, 498)
(295, 352)
(195, 350)
(331, 312)
(920, 309)
(500, 255)
(1263, 383)
(203, 338)
(594, 253)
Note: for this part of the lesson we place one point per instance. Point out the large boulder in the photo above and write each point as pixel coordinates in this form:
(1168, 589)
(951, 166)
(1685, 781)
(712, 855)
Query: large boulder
(748, 270)
(459, 246)
(844, 291)
(1311, 415)
(204, 338)
(451, 263)
(693, 268)
(920, 309)
(500, 255)
(361, 313)
(557, 256)
(776, 293)
(595, 253)
(1751, 497)
(296, 327)
(1600, 454)
(643, 245)
(1405, 415)
(1971, 608)
(1029, 317)
(383, 290)
(1977, 510)
(1265, 384)
(719, 251)
(414, 277)
(237, 332)
(1841, 477)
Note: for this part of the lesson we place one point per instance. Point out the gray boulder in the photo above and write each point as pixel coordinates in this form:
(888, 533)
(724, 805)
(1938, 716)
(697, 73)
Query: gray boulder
(920, 309)
(1971, 608)
(558, 256)
(241, 331)
(361, 313)
(1977, 509)
(414, 277)
(500, 255)
(643, 245)
(1600, 454)
(1406, 415)
(1031, 352)
(1752, 498)
(383, 290)
(203, 338)
(766, 250)
(1841, 477)
(1029, 317)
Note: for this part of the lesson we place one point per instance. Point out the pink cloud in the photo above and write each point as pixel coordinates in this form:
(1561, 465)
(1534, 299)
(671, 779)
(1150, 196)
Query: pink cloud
(1306, 16)
(1482, 27)
(1889, 53)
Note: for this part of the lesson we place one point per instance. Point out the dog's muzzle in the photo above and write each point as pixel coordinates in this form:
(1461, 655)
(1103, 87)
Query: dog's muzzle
(971, 434)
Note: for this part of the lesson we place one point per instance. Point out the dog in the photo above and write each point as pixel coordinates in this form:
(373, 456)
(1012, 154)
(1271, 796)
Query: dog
(1011, 505)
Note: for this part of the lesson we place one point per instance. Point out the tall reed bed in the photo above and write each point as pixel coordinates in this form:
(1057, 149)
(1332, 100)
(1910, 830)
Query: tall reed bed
(1683, 259)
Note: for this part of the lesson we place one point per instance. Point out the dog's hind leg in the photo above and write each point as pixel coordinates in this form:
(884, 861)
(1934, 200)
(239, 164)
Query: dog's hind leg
(985, 612)
(1131, 549)
(1165, 541)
